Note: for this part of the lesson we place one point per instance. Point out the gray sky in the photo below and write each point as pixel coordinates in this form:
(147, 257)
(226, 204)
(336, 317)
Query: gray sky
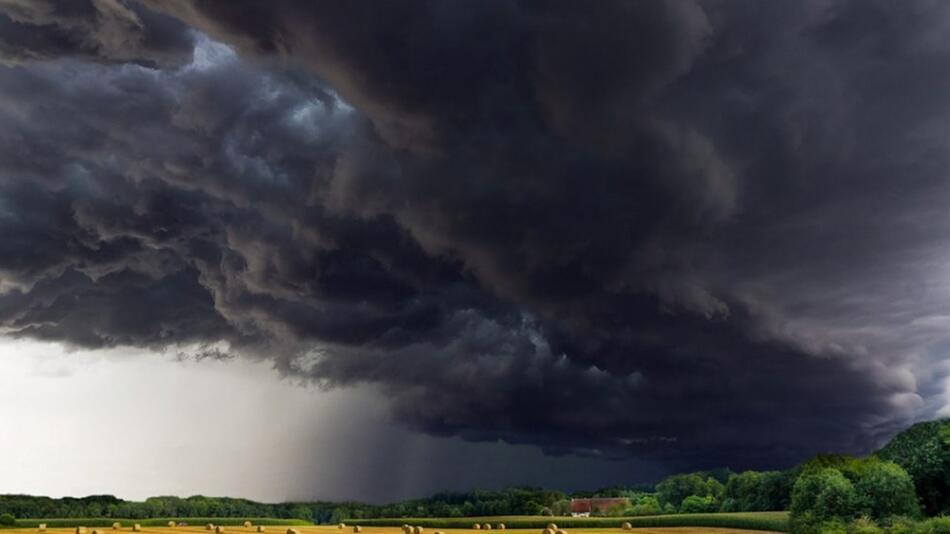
(137, 424)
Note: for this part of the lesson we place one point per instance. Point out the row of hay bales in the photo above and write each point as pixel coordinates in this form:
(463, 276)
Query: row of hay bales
(551, 528)
(487, 526)
(407, 529)
(218, 529)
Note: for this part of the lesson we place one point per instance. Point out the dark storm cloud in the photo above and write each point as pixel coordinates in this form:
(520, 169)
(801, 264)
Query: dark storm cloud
(101, 30)
(707, 233)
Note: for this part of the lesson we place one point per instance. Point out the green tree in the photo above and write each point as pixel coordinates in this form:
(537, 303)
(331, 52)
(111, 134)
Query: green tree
(561, 507)
(672, 490)
(694, 504)
(923, 450)
(885, 489)
(7, 520)
(645, 505)
(819, 496)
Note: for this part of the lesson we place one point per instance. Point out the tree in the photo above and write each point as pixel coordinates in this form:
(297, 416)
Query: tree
(645, 505)
(819, 496)
(695, 504)
(672, 490)
(885, 489)
(7, 520)
(561, 507)
(923, 450)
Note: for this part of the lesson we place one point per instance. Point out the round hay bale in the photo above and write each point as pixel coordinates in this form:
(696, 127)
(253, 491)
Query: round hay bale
(292, 531)
(561, 531)
(116, 525)
(547, 531)
(218, 529)
(136, 528)
(486, 526)
(476, 526)
(501, 526)
(261, 528)
(172, 524)
(357, 528)
(96, 531)
(341, 525)
(417, 529)
(42, 527)
(80, 530)
(209, 526)
(626, 525)
(552, 526)
(247, 524)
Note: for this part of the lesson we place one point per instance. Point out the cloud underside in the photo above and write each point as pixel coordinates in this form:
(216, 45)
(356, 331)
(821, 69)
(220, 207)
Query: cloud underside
(702, 232)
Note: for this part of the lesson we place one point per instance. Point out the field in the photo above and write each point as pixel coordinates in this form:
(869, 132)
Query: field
(722, 523)
(770, 521)
(197, 529)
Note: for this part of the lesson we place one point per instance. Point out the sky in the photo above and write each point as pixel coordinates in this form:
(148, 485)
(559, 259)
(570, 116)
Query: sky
(363, 250)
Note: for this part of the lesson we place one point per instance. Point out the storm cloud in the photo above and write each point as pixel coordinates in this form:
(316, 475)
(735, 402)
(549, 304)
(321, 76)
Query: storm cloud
(704, 233)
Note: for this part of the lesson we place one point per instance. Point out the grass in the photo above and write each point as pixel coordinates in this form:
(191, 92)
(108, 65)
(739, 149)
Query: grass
(155, 522)
(772, 521)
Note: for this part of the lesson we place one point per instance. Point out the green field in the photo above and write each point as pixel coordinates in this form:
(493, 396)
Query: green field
(774, 521)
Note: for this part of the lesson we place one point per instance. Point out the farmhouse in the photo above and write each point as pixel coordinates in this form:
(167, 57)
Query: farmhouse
(584, 507)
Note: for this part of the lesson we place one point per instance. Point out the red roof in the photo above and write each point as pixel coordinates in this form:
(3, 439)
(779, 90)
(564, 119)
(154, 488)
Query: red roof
(597, 504)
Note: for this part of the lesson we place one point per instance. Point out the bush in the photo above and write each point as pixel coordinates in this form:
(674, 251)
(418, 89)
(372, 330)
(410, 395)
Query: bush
(936, 525)
(900, 525)
(7, 520)
(835, 526)
(864, 525)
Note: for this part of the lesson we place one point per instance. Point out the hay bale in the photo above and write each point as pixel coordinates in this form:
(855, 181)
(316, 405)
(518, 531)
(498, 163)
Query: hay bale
(209, 526)
(552, 526)
(80, 530)
(292, 531)
(416, 530)
(626, 525)
(136, 528)
(172, 524)
(476, 526)
(357, 528)
(96, 531)
(561, 531)
(261, 528)
(247, 524)
(342, 525)
(547, 531)
(116, 525)
(42, 527)
(501, 526)
(486, 526)
(218, 529)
